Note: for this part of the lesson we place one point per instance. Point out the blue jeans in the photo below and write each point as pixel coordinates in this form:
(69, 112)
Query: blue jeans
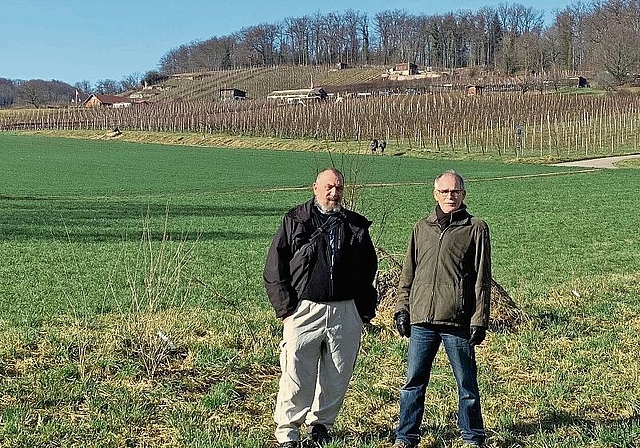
(423, 346)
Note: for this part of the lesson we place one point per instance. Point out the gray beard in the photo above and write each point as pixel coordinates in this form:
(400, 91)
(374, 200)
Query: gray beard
(325, 210)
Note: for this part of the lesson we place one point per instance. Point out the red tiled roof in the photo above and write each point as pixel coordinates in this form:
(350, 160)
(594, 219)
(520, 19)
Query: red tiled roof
(112, 99)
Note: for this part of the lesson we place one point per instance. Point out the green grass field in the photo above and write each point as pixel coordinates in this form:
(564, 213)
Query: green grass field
(105, 243)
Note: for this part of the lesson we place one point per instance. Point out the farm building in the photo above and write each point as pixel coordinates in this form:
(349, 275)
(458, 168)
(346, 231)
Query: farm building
(473, 89)
(406, 68)
(95, 100)
(232, 94)
(298, 96)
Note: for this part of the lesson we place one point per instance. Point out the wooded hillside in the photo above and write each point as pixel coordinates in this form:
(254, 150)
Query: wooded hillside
(601, 37)
(600, 40)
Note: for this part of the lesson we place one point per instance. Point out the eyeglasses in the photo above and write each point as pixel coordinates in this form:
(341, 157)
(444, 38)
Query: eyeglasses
(453, 193)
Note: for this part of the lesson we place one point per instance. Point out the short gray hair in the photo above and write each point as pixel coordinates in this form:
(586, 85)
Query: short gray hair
(335, 171)
(459, 179)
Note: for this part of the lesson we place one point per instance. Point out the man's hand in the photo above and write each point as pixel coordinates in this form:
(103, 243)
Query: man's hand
(403, 323)
(477, 335)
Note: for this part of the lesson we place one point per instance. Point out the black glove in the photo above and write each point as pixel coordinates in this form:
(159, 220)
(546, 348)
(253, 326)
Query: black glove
(403, 323)
(477, 335)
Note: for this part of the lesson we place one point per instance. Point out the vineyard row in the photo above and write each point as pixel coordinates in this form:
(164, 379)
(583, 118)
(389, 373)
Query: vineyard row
(522, 125)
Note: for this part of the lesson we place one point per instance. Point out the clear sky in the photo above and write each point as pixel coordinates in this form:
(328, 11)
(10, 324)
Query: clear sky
(75, 40)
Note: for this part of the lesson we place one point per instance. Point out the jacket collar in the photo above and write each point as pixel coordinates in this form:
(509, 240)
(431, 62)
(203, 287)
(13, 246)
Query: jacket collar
(458, 217)
(303, 213)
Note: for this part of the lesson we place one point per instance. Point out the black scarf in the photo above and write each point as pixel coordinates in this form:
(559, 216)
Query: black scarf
(444, 219)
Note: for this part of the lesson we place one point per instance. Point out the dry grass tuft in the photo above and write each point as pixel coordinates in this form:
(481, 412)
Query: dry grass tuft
(505, 315)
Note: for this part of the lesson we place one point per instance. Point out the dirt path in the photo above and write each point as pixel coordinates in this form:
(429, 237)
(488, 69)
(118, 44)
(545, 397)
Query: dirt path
(605, 162)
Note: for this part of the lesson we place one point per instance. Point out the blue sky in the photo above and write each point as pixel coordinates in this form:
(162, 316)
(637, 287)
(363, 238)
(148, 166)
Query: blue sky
(75, 40)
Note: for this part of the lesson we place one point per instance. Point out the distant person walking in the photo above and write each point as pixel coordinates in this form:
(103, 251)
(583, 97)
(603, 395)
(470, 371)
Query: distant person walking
(319, 278)
(373, 145)
(443, 297)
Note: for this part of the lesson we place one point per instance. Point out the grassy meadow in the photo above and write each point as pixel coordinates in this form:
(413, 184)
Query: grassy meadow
(132, 311)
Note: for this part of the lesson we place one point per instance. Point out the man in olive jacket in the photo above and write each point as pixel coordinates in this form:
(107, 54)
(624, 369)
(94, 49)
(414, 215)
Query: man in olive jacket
(319, 278)
(443, 297)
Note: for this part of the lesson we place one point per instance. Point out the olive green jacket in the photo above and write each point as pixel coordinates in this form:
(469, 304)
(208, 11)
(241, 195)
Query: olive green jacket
(446, 277)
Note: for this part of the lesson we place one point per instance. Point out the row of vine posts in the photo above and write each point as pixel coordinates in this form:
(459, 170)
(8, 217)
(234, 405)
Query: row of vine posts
(500, 123)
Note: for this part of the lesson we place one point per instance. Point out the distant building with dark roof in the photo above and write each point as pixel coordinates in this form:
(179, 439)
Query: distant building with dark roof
(232, 94)
(97, 100)
(298, 96)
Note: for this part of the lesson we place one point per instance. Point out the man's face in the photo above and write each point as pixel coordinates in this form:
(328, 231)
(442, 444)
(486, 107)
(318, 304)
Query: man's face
(448, 193)
(328, 189)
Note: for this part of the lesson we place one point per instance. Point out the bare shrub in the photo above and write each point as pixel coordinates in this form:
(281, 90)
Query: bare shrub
(152, 327)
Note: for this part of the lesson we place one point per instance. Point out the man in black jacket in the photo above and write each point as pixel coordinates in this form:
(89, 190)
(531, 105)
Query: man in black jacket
(319, 278)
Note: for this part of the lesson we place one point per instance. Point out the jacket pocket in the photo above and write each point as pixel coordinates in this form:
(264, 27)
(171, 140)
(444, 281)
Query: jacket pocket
(300, 265)
(467, 294)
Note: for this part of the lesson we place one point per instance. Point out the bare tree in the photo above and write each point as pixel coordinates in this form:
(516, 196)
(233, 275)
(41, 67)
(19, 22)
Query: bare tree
(297, 32)
(333, 38)
(32, 92)
(384, 26)
(216, 53)
(614, 35)
(130, 82)
(204, 56)
(176, 60)
(353, 36)
(153, 77)
(318, 49)
(83, 87)
(8, 92)
(517, 21)
(107, 87)
(422, 42)
(260, 43)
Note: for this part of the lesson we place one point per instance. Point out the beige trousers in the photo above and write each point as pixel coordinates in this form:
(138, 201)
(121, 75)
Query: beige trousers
(319, 347)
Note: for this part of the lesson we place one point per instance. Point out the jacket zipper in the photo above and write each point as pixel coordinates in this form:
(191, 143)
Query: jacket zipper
(435, 274)
(329, 255)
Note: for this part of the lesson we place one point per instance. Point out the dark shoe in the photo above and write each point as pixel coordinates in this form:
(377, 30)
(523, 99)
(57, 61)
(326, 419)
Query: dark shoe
(320, 436)
(403, 444)
(290, 444)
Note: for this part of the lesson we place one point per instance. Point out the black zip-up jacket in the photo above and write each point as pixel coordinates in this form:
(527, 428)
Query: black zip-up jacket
(299, 262)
